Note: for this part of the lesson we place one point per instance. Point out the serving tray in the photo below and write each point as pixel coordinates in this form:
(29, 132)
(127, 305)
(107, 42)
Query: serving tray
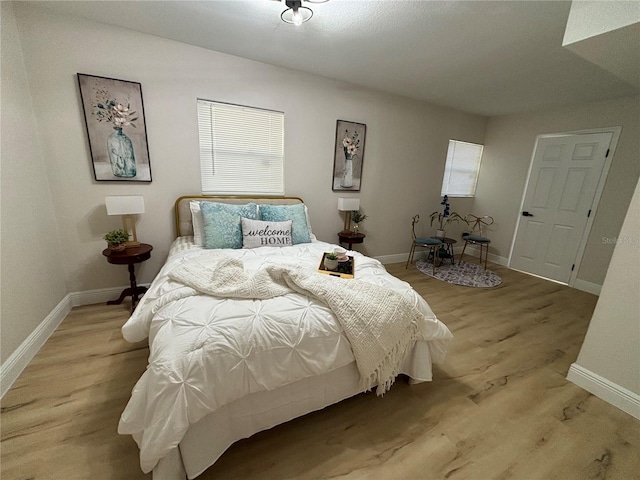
(345, 269)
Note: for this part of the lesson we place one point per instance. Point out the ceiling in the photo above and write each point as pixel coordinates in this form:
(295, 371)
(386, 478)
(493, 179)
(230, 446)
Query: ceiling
(483, 57)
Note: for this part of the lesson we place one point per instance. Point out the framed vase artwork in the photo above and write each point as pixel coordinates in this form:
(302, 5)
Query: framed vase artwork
(114, 117)
(348, 156)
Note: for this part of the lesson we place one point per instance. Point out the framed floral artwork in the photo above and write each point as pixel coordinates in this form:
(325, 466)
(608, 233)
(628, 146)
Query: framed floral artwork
(114, 117)
(348, 156)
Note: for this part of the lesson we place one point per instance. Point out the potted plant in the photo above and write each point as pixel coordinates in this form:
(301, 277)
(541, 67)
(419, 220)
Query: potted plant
(357, 218)
(445, 218)
(331, 261)
(116, 239)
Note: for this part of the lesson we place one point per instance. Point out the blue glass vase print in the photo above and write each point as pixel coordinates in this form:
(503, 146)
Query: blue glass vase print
(121, 156)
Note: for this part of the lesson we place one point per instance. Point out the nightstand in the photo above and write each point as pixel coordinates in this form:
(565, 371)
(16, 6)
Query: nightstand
(350, 238)
(130, 256)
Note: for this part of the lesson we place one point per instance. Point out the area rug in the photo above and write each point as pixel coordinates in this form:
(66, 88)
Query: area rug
(462, 273)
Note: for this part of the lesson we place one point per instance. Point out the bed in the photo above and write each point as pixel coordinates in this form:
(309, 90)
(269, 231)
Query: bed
(244, 339)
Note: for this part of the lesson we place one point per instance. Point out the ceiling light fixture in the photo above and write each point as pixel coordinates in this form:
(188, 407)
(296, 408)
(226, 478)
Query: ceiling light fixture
(296, 14)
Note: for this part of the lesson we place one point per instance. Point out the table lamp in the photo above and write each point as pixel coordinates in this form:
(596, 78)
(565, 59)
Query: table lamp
(348, 205)
(127, 206)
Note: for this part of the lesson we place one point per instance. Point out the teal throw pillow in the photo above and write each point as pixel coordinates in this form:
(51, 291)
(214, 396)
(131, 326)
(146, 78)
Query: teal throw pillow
(222, 223)
(296, 213)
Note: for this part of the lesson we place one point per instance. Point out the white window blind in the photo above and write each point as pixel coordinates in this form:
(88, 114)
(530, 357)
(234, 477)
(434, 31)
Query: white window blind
(241, 149)
(462, 168)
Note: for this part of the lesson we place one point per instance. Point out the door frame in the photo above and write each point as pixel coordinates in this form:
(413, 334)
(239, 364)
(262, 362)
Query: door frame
(615, 131)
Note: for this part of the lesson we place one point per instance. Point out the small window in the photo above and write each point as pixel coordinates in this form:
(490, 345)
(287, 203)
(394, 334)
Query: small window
(241, 149)
(462, 168)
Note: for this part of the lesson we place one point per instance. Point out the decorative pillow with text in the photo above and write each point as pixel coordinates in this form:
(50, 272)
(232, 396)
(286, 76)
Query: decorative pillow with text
(256, 233)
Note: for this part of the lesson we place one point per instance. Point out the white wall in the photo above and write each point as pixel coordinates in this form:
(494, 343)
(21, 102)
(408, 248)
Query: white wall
(33, 278)
(592, 18)
(606, 34)
(406, 145)
(610, 349)
(509, 144)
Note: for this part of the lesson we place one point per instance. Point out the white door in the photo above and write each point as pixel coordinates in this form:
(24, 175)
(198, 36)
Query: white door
(564, 177)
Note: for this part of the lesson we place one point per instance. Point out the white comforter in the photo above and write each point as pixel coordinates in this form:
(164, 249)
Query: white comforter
(207, 351)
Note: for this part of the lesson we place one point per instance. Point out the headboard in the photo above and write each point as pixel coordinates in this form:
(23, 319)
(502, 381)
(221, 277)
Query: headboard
(184, 226)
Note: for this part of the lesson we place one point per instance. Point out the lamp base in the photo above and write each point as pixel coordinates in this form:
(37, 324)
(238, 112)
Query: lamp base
(129, 225)
(347, 222)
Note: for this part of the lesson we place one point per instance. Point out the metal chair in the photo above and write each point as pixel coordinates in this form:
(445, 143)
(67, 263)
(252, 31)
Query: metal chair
(433, 244)
(476, 237)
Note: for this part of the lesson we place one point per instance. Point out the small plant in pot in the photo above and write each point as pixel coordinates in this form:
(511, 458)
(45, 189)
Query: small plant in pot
(331, 261)
(116, 239)
(445, 217)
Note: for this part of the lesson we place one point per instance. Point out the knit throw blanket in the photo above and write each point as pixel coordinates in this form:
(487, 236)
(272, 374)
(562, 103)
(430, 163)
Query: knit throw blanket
(380, 323)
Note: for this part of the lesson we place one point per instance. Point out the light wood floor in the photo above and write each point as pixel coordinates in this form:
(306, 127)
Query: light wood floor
(499, 408)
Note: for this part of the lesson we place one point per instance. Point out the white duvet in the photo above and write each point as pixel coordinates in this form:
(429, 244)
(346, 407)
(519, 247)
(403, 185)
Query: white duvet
(207, 351)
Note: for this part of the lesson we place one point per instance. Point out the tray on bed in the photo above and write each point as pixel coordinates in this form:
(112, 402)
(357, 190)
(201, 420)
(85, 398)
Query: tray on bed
(345, 269)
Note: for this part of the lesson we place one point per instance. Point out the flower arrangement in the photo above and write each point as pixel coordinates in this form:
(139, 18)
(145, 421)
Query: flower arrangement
(110, 110)
(447, 216)
(358, 217)
(350, 144)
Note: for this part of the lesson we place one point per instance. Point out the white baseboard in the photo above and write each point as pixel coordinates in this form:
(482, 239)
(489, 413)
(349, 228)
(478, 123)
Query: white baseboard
(20, 358)
(474, 251)
(91, 297)
(471, 251)
(396, 258)
(618, 396)
(588, 287)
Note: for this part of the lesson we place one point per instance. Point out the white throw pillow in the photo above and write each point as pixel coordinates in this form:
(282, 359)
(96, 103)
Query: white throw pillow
(256, 233)
(306, 214)
(197, 222)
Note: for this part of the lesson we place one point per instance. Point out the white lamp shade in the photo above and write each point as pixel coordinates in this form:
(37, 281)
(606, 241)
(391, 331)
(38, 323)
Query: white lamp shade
(348, 204)
(124, 204)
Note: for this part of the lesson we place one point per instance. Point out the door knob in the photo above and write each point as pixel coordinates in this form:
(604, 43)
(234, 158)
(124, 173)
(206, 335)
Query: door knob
(527, 214)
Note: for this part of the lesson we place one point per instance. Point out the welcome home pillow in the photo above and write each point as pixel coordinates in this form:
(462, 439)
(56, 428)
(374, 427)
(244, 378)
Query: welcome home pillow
(222, 226)
(296, 213)
(256, 233)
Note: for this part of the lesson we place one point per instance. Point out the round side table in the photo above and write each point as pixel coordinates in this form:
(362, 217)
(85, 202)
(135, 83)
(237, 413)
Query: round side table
(129, 256)
(350, 238)
(446, 250)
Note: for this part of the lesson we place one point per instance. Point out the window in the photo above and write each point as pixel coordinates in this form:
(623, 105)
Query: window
(241, 149)
(462, 168)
